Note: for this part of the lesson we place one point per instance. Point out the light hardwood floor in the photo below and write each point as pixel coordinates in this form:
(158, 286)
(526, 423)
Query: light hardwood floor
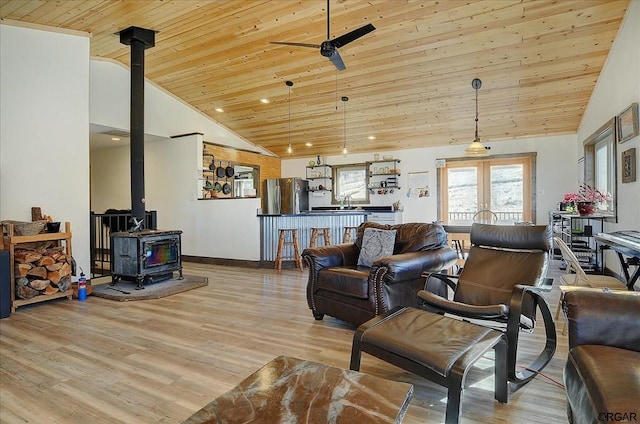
(159, 361)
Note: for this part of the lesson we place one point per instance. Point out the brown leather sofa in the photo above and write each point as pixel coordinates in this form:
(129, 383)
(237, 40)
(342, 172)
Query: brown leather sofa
(602, 373)
(340, 288)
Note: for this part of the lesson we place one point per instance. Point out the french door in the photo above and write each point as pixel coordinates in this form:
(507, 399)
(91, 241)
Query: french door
(501, 187)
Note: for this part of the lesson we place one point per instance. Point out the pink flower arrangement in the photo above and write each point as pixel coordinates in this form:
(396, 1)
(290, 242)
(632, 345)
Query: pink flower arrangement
(586, 193)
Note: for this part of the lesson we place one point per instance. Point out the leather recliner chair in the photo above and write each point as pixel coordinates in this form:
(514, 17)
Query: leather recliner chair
(602, 373)
(340, 288)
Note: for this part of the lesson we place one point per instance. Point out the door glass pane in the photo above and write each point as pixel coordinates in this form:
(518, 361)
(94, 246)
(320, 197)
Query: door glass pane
(462, 194)
(507, 192)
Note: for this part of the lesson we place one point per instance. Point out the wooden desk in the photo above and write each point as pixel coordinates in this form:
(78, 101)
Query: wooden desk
(459, 238)
(290, 390)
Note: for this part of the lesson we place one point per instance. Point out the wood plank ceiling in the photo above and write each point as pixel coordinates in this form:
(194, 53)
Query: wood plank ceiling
(408, 82)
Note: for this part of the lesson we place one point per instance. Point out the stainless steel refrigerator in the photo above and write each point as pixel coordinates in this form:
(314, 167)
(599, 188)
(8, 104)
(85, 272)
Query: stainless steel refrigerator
(286, 196)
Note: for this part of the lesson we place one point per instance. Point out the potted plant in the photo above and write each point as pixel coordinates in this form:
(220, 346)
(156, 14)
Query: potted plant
(587, 199)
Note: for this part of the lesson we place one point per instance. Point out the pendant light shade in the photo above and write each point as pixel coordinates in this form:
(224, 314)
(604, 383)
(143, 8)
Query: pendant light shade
(345, 99)
(289, 84)
(476, 149)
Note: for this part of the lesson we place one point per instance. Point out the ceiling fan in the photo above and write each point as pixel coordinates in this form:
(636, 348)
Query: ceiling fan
(329, 48)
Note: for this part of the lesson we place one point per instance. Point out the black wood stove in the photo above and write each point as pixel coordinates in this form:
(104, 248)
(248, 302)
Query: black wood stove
(145, 256)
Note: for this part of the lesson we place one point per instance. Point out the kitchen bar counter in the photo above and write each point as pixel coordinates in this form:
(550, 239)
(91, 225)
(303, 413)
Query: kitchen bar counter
(335, 220)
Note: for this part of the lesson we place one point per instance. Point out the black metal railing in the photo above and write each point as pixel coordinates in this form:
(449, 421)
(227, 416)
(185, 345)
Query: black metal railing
(100, 228)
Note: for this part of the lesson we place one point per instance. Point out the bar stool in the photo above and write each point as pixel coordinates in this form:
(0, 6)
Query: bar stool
(320, 231)
(282, 242)
(348, 234)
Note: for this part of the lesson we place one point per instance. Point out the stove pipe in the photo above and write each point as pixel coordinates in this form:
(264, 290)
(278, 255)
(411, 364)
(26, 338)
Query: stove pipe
(139, 39)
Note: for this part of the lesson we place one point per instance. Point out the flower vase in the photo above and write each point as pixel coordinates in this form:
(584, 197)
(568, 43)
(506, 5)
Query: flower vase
(586, 208)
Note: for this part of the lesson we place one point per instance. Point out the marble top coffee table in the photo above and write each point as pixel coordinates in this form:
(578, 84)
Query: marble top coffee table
(290, 390)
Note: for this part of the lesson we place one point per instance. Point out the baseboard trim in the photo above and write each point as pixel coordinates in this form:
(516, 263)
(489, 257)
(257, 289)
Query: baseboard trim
(221, 261)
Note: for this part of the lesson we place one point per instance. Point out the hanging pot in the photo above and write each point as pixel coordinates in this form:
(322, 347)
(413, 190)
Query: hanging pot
(220, 171)
(229, 171)
(217, 186)
(226, 188)
(212, 165)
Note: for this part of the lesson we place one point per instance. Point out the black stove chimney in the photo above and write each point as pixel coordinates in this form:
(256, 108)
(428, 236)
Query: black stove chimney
(139, 39)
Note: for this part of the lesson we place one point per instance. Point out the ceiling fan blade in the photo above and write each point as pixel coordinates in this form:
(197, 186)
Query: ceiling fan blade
(353, 35)
(335, 58)
(284, 43)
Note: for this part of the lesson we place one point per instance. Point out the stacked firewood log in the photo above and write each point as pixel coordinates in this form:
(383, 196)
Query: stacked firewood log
(41, 271)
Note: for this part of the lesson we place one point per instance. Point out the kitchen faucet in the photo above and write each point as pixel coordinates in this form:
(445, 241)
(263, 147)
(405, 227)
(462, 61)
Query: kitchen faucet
(347, 197)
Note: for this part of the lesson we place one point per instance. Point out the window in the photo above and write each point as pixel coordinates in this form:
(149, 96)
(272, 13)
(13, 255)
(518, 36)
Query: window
(600, 163)
(500, 185)
(350, 180)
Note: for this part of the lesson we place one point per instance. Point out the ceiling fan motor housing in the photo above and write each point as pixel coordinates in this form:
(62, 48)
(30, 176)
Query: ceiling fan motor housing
(327, 49)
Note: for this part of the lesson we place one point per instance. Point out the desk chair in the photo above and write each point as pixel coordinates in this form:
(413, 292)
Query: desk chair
(577, 279)
(485, 216)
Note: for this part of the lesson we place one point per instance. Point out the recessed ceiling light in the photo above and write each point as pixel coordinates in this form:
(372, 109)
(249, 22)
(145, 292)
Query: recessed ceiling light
(265, 101)
(308, 144)
(115, 138)
(219, 109)
(372, 137)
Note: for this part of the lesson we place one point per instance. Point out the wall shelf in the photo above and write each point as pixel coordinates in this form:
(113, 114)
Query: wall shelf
(382, 176)
(319, 177)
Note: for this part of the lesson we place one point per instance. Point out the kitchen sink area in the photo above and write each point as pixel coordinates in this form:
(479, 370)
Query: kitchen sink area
(351, 209)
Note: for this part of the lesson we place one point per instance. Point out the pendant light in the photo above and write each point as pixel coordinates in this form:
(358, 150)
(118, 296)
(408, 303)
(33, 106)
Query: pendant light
(289, 84)
(476, 149)
(345, 99)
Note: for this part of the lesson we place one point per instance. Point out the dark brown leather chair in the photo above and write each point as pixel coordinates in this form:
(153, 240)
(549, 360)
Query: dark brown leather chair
(501, 282)
(340, 288)
(602, 373)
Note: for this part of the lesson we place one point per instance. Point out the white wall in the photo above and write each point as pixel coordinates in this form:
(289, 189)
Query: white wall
(44, 129)
(555, 175)
(226, 228)
(618, 86)
(221, 228)
(165, 115)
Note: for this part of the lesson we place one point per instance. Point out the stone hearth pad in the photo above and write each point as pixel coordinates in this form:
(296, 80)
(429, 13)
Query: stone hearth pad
(125, 290)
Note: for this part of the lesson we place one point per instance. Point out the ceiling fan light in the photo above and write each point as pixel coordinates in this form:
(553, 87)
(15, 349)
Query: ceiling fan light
(476, 149)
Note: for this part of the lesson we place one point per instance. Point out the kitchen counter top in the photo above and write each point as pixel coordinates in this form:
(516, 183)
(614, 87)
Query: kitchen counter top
(327, 210)
(320, 212)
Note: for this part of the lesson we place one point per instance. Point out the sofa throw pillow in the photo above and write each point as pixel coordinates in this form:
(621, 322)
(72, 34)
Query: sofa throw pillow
(376, 244)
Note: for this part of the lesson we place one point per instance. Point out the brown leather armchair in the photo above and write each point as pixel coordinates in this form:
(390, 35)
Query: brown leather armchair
(602, 373)
(500, 284)
(340, 288)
